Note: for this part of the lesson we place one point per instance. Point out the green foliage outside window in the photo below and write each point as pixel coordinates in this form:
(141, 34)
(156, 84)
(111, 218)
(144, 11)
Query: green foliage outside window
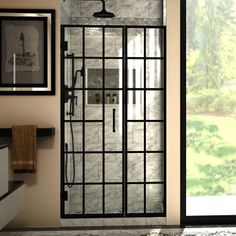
(211, 97)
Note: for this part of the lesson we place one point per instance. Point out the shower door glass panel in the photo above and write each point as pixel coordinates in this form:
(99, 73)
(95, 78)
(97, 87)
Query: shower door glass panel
(93, 42)
(145, 121)
(93, 199)
(113, 42)
(78, 138)
(154, 136)
(155, 167)
(135, 136)
(155, 43)
(115, 139)
(135, 74)
(135, 42)
(113, 199)
(135, 203)
(113, 121)
(135, 167)
(155, 73)
(135, 102)
(94, 93)
(155, 105)
(154, 198)
(74, 204)
(113, 74)
(73, 36)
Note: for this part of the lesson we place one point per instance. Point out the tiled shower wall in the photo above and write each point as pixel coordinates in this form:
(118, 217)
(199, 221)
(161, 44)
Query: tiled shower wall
(65, 12)
(133, 12)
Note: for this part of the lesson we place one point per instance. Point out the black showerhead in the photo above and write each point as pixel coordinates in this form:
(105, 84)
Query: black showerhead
(103, 13)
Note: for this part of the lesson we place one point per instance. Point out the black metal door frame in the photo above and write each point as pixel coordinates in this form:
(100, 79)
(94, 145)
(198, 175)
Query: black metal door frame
(124, 152)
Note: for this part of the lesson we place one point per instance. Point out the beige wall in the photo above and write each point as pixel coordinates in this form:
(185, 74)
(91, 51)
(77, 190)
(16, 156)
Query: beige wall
(42, 189)
(173, 112)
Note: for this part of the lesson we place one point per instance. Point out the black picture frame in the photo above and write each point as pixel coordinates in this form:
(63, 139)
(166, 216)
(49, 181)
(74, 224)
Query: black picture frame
(27, 52)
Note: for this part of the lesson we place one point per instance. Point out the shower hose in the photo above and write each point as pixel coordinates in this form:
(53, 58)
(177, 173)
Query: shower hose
(70, 184)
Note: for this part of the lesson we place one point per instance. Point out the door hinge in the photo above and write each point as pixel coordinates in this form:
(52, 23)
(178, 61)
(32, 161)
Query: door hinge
(64, 196)
(64, 46)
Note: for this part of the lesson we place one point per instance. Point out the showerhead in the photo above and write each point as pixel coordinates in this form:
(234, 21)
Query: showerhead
(103, 13)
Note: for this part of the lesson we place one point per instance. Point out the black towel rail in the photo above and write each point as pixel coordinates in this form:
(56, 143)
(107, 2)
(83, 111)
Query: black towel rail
(41, 132)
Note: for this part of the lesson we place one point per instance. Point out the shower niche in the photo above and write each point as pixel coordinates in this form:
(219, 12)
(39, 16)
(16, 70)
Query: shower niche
(94, 79)
(113, 121)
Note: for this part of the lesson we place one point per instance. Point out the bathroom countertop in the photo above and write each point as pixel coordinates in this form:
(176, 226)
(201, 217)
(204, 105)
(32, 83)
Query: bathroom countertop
(12, 186)
(3, 145)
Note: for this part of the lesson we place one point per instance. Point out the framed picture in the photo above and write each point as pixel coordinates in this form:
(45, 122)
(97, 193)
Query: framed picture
(27, 52)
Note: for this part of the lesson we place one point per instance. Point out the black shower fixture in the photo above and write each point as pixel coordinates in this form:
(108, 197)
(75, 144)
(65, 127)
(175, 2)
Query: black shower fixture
(103, 13)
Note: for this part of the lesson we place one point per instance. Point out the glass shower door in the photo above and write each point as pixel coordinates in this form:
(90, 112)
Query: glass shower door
(114, 121)
(114, 110)
(114, 156)
(145, 183)
(95, 153)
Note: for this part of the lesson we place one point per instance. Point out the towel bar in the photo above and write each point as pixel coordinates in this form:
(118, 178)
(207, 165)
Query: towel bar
(41, 132)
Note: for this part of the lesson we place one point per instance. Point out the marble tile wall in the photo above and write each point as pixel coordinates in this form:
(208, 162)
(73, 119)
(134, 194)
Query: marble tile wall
(132, 12)
(121, 8)
(65, 12)
(115, 21)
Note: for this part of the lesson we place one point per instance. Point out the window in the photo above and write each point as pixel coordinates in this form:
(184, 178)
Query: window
(208, 111)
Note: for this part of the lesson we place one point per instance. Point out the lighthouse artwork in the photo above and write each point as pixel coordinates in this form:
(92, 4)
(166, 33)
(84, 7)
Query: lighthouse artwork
(22, 48)
(27, 51)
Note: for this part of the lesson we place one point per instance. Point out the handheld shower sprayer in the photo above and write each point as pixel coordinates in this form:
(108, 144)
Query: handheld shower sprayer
(70, 92)
(72, 99)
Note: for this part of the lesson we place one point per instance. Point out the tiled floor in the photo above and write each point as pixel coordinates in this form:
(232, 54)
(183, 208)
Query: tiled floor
(227, 231)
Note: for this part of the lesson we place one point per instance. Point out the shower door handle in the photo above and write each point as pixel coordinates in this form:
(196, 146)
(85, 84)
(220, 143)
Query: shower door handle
(114, 120)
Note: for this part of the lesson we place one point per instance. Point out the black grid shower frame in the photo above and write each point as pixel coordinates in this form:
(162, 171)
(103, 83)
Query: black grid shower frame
(62, 186)
(103, 183)
(145, 120)
(124, 152)
(83, 121)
